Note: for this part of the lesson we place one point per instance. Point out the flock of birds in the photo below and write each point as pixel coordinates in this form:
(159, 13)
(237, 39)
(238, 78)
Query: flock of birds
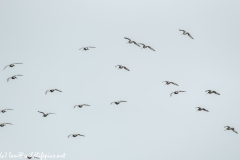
(116, 102)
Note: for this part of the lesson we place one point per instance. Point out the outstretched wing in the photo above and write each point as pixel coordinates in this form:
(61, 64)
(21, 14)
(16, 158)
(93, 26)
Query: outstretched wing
(8, 79)
(19, 75)
(171, 94)
(91, 47)
(57, 90)
(86, 105)
(189, 35)
(235, 131)
(17, 63)
(205, 110)
(181, 91)
(141, 44)
(127, 38)
(227, 127)
(75, 106)
(174, 83)
(9, 123)
(41, 112)
(117, 65)
(46, 92)
(126, 68)
(70, 135)
(112, 102)
(51, 113)
(151, 48)
(122, 101)
(181, 30)
(7, 109)
(5, 67)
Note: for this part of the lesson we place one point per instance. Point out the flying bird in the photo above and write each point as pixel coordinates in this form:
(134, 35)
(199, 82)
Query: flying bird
(201, 109)
(130, 41)
(117, 102)
(230, 128)
(4, 124)
(13, 77)
(52, 90)
(168, 82)
(145, 46)
(186, 33)
(45, 114)
(4, 110)
(121, 67)
(81, 105)
(211, 91)
(86, 48)
(176, 92)
(29, 157)
(11, 65)
(75, 135)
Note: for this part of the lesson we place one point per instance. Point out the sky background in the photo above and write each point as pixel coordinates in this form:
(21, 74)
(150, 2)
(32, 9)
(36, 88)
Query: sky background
(46, 36)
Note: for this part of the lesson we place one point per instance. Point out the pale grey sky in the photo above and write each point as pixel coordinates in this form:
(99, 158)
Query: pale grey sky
(46, 36)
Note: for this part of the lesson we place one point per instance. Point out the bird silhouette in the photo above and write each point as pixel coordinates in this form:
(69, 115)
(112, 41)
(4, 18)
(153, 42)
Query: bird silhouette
(186, 33)
(11, 65)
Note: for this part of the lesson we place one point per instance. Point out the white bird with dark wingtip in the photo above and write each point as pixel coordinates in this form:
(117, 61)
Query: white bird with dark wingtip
(122, 67)
(211, 91)
(11, 65)
(176, 92)
(75, 135)
(52, 90)
(201, 109)
(230, 128)
(4, 110)
(45, 114)
(29, 157)
(186, 33)
(81, 105)
(13, 77)
(130, 41)
(86, 48)
(117, 102)
(4, 124)
(168, 82)
(145, 46)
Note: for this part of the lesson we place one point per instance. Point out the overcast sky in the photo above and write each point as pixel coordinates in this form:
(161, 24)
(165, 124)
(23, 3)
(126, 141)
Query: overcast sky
(46, 36)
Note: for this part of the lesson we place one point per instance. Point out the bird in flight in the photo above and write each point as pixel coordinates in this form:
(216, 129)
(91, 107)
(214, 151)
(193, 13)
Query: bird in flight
(121, 67)
(211, 91)
(81, 105)
(45, 114)
(168, 82)
(29, 157)
(11, 65)
(4, 124)
(145, 46)
(201, 109)
(117, 102)
(130, 41)
(86, 48)
(13, 77)
(176, 92)
(186, 33)
(4, 110)
(75, 135)
(52, 90)
(230, 128)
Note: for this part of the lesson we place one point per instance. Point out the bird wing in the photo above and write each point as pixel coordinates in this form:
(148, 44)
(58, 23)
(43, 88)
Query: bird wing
(122, 101)
(8, 123)
(151, 48)
(81, 48)
(126, 68)
(7, 109)
(181, 30)
(91, 47)
(235, 131)
(86, 105)
(205, 109)
(70, 135)
(57, 90)
(164, 81)
(5, 67)
(51, 113)
(117, 65)
(190, 35)
(46, 92)
(181, 91)
(17, 63)
(75, 106)
(41, 112)
(227, 127)
(171, 94)
(112, 102)
(8, 79)
(174, 83)
(36, 157)
(208, 91)
(19, 75)
(141, 44)
(127, 38)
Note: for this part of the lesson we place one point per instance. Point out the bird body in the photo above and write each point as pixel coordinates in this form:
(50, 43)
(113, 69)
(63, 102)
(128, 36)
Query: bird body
(122, 67)
(130, 41)
(176, 92)
(145, 46)
(211, 91)
(186, 33)
(230, 128)
(117, 102)
(4, 124)
(168, 82)
(4, 110)
(81, 105)
(45, 114)
(13, 77)
(75, 135)
(52, 90)
(201, 109)
(11, 65)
